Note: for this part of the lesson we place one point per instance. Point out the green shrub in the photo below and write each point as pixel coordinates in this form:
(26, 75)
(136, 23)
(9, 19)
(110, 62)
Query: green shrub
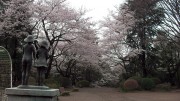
(126, 76)
(164, 87)
(75, 90)
(65, 82)
(137, 78)
(122, 89)
(92, 74)
(156, 80)
(32, 80)
(83, 83)
(52, 82)
(130, 84)
(66, 93)
(52, 85)
(147, 83)
(162, 75)
(112, 84)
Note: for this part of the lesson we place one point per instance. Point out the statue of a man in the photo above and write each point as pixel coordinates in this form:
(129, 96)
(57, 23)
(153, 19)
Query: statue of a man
(29, 52)
(41, 62)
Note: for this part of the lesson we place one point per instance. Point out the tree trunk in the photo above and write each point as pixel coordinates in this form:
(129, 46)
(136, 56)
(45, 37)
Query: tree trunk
(15, 67)
(171, 76)
(143, 55)
(49, 67)
(144, 64)
(178, 79)
(178, 75)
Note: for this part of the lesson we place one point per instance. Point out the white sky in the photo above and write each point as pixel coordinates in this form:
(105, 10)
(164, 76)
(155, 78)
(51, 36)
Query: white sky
(98, 8)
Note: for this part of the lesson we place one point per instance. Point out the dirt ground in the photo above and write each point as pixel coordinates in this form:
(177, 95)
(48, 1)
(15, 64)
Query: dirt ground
(111, 94)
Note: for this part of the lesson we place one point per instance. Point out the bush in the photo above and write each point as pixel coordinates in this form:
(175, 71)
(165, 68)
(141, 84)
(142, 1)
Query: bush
(162, 75)
(121, 86)
(126, 76)
(83, 83)
(32, 80)
(66, 93)
(156, 80)
(147, 83)
(52, 82)
(137, 78)
(75, 90)
(52, 85)
(65, 82)
(92, 74)
(164, 87)
(109, 80)
(130, 84)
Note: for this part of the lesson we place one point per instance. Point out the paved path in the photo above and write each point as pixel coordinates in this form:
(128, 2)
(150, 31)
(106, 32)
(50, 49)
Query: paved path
(111, 94)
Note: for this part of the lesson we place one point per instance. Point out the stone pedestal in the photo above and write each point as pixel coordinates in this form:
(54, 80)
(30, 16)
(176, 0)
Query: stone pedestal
(32, 93)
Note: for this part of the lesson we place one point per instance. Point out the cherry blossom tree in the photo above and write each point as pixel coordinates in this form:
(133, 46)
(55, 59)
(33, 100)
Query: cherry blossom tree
(81, 54)
(115, 30)
(71, 35)
(15, 19)
(115, 51)
(63, 25)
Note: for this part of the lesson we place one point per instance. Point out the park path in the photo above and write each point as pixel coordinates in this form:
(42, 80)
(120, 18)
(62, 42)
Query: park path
(111, 94)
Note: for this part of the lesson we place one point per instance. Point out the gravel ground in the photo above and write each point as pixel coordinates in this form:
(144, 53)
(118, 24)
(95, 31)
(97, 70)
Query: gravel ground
(111, 94)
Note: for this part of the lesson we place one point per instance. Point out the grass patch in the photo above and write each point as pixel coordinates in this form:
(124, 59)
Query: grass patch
(65, 93)
(163, 87)
(75, 90)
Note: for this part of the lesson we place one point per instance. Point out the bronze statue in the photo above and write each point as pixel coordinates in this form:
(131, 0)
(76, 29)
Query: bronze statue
(41, 62)
(28, 55)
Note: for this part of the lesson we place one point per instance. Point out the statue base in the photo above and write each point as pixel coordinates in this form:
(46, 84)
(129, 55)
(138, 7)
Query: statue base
(31, 93)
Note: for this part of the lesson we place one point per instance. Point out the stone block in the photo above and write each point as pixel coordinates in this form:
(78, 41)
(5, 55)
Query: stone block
(33, 93)
(5, 68)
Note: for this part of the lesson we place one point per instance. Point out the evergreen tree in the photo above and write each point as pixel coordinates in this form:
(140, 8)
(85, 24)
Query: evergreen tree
(14, 25)
(148, 16)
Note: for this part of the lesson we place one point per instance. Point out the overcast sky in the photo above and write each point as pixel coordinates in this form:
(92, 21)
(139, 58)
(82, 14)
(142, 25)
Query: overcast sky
(98, 8)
